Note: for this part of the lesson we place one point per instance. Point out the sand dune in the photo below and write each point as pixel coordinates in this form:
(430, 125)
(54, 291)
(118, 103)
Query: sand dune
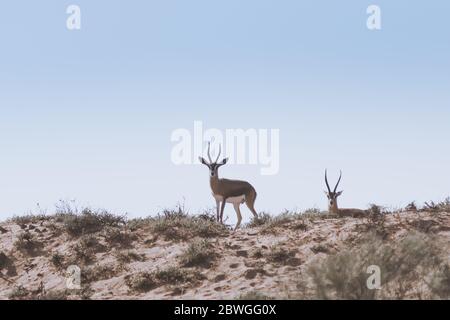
(294, 256)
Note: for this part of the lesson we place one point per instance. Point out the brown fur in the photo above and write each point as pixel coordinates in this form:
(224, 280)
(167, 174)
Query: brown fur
(226, 189)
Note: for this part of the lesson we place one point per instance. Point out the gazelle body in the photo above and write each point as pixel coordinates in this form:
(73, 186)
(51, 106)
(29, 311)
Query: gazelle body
(225, 191)
(333, 204)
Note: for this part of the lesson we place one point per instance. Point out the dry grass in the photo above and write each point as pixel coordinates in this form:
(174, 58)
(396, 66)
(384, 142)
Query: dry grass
(85, 250)
(27, 244)
(141, 282)
(329, 256)
(172, 276)
(274, 225)
(200, 253)
(254, 295)
(177, 225)
(442, 206)
(117, 238)
(98, 273)
(279, 255)
(58, 260)
(344, 275)
(89, 222)
(125, 257)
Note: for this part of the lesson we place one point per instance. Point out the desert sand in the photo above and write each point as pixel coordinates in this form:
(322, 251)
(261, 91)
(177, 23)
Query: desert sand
(176, 256)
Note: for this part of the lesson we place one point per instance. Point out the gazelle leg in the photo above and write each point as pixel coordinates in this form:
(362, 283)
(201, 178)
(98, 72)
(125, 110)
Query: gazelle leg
(218, 210)
(239, 216)
(224, 201)
(250, 202)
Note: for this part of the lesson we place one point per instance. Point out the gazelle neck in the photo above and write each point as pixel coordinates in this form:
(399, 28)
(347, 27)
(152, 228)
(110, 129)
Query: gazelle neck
(214, 183)
(333, 208)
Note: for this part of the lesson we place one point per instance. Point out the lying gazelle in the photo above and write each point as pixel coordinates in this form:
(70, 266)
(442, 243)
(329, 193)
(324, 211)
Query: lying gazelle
(229, 191)
(332, 201)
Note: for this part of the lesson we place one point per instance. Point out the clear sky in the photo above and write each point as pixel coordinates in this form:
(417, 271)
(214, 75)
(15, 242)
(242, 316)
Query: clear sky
(88, 114)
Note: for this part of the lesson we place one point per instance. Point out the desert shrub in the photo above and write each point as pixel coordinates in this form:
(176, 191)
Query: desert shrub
(28, 244)
(57, 260)
(439, 282)
(119, 238)
(314, 214)
(254, 295)
(177, 225)
(178, 212)
(257, 253)
(320, 248)
(170, 276)
(4, 260)
(375, 220)
(90, 221)
(199, 253)
(411, 206)
(86, 249)
(98, 273)
(344, 275)
(7, 263)
(29, 219)
(208, 215)
(19, 293)
(270, 224)
(183, 227)
(141, 282)
(129, 256)
(174, 275)
(52, 295)
(442, 206)
(278, 254)
(262, 219)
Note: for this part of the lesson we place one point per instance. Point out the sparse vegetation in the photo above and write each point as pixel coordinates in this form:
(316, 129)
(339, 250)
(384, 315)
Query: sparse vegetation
(262, 219)
(174, 276)
(141, 282)
(7, 263)
(57, 260)
(18, 293)
(273, 225)
(328, 255)
(177, 225)
(320, 248)
(89, 222)
(119, 238)
(28, 244)
(344, 275)
(254, 295)
(199, 253)
(129, 256)
(170, 276)
(4, 260)
(439, 282)
(278, 254)
(442, 206)
(86, 249)
(29, 219)
(98, 273)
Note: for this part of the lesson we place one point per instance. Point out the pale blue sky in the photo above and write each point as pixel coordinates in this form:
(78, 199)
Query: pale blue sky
(88, 114)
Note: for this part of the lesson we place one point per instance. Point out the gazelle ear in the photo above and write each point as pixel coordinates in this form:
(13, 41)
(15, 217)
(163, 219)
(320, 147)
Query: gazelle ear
(224, 161)
(203, 161)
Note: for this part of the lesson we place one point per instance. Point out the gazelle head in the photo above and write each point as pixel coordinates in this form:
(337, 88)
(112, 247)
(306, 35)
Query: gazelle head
(213, 166)
(332, 195)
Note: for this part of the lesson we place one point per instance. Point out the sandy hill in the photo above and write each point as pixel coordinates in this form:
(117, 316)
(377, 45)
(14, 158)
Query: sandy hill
(177, 256)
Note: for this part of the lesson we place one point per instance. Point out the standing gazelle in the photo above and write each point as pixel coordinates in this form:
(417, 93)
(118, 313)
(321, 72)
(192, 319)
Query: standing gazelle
(332, 201)
(231, 191)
